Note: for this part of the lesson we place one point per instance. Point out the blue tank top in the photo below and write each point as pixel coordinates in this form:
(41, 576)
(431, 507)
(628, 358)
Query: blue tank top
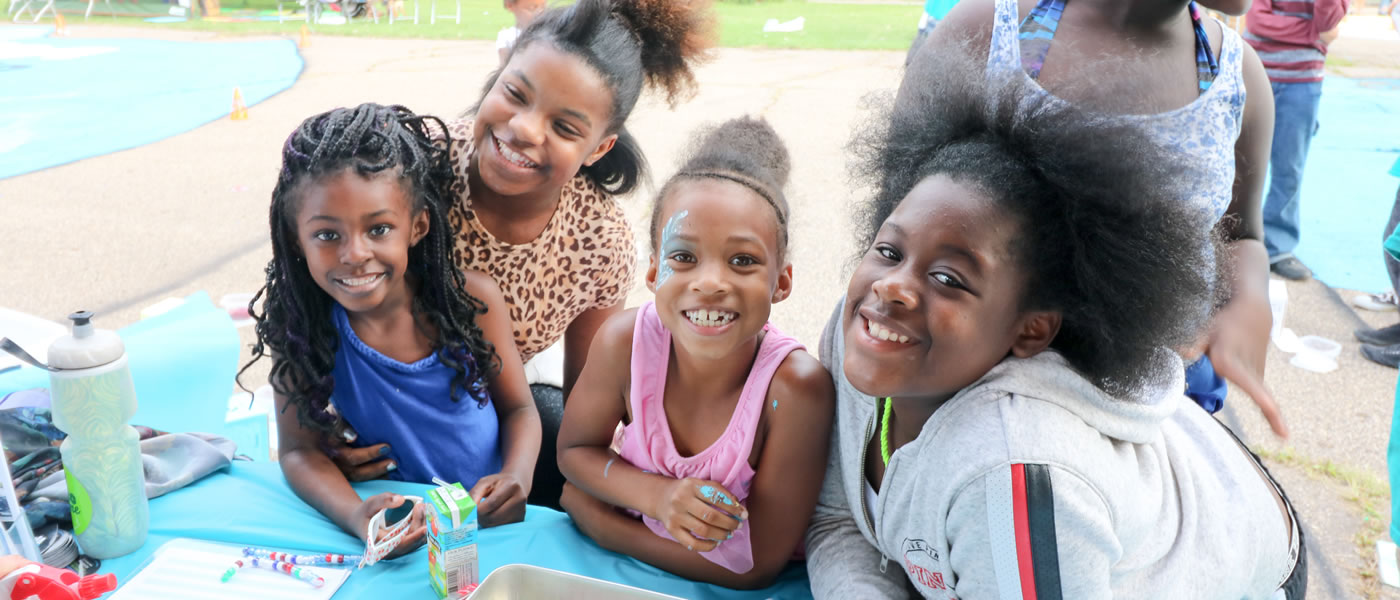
(409, 407)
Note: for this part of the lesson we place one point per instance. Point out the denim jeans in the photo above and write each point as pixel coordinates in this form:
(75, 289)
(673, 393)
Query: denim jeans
(1295, 124)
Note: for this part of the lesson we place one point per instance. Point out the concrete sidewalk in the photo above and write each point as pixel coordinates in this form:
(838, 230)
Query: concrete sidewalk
(122, 231)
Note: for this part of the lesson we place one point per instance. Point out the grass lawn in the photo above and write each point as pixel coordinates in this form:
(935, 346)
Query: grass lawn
(833, 26)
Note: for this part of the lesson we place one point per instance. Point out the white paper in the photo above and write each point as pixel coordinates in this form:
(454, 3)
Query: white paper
(191, 570)
(1385, 559)
(773, 26)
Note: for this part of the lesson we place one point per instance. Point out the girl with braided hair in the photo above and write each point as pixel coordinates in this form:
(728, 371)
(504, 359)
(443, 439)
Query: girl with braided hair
(727, 417)
(537, 163)
(369, 323)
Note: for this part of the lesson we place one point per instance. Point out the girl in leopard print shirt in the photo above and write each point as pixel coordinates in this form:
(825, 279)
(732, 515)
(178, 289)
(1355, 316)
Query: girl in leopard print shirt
(538, 164)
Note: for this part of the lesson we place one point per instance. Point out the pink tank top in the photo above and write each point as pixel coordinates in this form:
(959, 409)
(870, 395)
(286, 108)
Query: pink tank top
(647, 443)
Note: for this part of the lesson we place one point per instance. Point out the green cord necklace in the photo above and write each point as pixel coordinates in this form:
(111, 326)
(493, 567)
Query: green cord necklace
(885, 432)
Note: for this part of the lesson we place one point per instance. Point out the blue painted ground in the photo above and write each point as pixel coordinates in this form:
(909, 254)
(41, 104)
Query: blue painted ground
(64, 99)
(1347, 191)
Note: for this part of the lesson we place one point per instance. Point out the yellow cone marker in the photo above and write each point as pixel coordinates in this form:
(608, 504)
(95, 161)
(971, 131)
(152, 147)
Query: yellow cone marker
(240, 110)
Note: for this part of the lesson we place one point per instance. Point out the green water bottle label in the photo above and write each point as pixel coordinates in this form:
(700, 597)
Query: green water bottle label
(79, 502)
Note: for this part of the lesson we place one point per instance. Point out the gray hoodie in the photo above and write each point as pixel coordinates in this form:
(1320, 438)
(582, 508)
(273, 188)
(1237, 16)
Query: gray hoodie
(1034, 478)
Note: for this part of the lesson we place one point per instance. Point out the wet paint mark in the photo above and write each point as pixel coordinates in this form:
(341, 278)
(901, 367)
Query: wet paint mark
(668, 239)
(710, 493)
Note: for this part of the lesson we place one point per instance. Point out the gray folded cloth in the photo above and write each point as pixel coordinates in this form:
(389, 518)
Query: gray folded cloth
(171, 461)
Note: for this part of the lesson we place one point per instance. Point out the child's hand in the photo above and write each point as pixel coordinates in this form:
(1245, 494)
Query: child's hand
(697, 513)
(412, 538)
(357, 464)
(500, 499)
(12, 563)
(1238, 345)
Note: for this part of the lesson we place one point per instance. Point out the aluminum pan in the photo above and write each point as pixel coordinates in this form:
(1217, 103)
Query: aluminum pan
(526, 582)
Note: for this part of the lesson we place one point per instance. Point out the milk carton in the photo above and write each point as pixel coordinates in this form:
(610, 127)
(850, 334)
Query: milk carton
(452, 559)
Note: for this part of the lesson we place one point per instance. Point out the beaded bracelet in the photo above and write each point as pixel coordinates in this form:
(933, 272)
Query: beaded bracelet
(303, 559)
(287, 568)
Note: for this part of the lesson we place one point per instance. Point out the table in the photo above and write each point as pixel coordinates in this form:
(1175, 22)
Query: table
(251, 504)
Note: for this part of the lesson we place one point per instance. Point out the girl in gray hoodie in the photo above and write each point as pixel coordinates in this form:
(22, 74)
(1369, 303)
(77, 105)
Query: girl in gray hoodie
(1010, 415)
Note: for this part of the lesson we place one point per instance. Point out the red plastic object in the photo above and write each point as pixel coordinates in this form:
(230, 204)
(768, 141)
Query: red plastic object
(60, 584)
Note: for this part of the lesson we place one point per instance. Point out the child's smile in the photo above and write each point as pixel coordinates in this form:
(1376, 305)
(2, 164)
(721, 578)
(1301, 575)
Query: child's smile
(883, 329)
(710, 320)
(355, 234)
(717, 269)
(520, 160)
(360, 284)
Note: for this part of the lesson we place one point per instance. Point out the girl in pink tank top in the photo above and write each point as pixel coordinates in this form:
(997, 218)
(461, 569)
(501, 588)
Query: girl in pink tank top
(727, 419)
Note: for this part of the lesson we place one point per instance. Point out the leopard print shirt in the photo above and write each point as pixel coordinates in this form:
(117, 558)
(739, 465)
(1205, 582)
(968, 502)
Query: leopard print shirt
(585, 258)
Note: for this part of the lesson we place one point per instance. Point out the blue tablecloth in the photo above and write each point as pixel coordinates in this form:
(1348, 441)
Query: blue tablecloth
(251, 504)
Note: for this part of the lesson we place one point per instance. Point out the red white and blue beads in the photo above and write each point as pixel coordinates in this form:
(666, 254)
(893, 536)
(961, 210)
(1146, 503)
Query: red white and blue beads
(303, 559)
(287, 568)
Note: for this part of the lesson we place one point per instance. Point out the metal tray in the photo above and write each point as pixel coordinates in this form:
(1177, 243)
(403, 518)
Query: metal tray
(525, 582)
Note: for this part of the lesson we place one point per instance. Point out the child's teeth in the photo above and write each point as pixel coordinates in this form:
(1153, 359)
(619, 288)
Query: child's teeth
(878, 331)
(514, 157)
(709, 318)
(359, 281)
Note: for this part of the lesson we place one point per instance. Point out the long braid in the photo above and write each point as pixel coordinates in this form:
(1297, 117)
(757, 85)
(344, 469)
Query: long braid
(295, 326)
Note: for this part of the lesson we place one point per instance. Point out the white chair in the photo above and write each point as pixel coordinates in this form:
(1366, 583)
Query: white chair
(433, 14)
(18, 8)
(91, 3)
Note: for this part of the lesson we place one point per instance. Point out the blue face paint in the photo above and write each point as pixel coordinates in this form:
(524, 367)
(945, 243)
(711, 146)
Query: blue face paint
(668, 245)
(775, 405)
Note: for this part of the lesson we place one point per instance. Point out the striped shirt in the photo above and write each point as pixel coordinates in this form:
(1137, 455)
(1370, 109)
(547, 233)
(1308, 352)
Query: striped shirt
(1287, 36)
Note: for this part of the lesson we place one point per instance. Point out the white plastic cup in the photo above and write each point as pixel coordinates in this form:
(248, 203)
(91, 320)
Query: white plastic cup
(1316, 354)
(1321, 346)
(1278, 301)
(237, 306)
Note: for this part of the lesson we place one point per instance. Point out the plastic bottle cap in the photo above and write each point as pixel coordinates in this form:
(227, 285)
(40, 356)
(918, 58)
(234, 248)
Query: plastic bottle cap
(93, 586)
(86, 347)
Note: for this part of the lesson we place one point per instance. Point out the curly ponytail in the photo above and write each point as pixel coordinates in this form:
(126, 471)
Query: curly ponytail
(671, 33)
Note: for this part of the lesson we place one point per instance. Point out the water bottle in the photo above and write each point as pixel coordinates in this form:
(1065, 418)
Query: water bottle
(93, 399)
